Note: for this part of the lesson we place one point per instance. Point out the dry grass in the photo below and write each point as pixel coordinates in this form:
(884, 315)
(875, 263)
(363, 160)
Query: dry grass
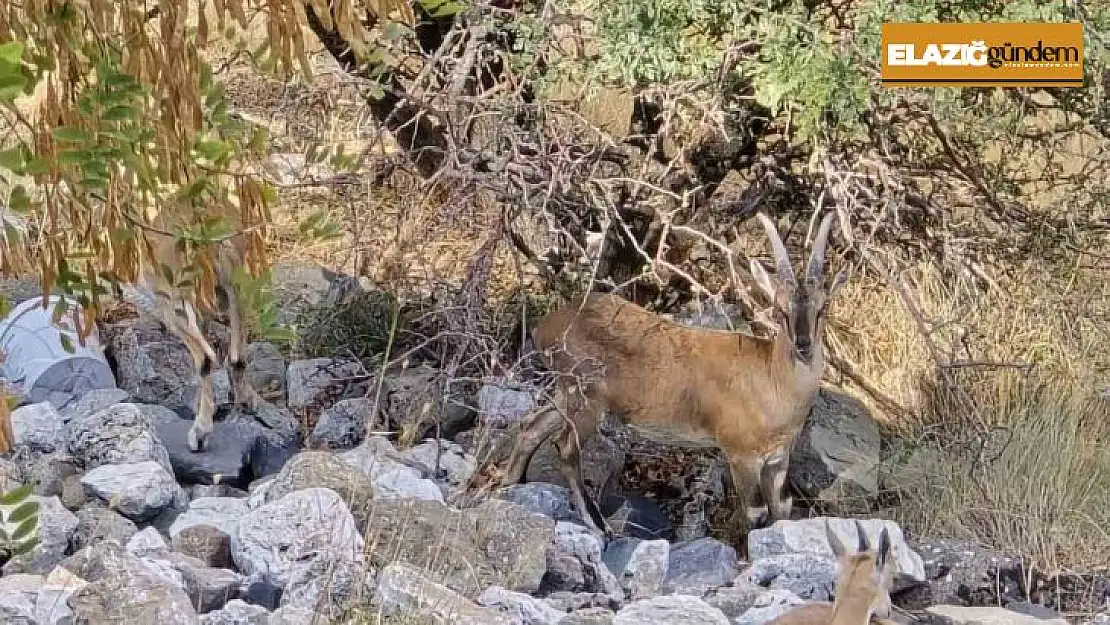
(1011, 448)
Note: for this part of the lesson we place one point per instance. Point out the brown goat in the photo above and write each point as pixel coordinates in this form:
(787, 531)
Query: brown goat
(862, 592)
(748, 395)
(176, 308)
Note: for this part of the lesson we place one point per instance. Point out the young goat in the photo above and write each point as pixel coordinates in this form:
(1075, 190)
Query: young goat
(176, 308)
(862, 587)
(748, 395)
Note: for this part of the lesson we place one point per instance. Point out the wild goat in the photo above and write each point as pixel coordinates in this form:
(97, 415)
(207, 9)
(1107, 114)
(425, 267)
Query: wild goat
(176, 308)
(862, 586)
(748, 395)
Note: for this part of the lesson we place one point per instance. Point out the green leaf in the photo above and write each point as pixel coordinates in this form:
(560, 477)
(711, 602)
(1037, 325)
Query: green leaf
(67, 344)
(24, 530)
(24, 547)
(19, 201)
(11, 86)
(17, 495)
(118, 113)
(24, 512)
(11, 53)
(14, 159)
(70, 134)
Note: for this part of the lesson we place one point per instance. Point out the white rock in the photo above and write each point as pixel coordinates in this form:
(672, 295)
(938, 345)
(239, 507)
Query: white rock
(523, 609)
(808, 536)
(39, 427)
(670, 610)
(222, 513)
(139, 491)
(293, 541)
(148, 544)
(769, 606)
(404, 590)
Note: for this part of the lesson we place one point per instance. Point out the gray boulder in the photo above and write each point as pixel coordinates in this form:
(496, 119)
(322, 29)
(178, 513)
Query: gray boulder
(670, 610)
(95, 523)
(700, 565)
(574, 563)
(38, 427)
(56, 528)
(835, 459)
(404, 590)
(140, 491)
(117, 434)
(639, 565)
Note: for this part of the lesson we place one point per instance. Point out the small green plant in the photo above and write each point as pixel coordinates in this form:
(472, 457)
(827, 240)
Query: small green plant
(19, 522)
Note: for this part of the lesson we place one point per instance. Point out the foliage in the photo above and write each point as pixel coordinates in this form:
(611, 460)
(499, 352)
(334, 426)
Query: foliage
(19, 522)
(118, 133)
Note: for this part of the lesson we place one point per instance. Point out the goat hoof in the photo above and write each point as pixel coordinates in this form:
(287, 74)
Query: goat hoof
(197, 442)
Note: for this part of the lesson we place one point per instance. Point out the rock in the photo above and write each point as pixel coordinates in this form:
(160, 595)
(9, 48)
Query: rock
(736, 599)
(343, 425)
(769, 606)
(699, 565)
(318, 469)
(278, 437)
(317, 383)
(501, 405)
(265, 369)
(140, 491)
(960, 572)
(94, 401)
(18, 595)
(148, 544)
(225, 460)
(574, 563)
(292, 542)
(401, 482)
(221, 513)
(237, 612)
(208, 588)
(521, 608)
(50, 470)
(73, 493)
(298, 286)
(11, 475)
(414, 401)
(292, 615)
(808, 536)
(836, 457)
(56, 528)
(38, 427)
(547, 499)
(124, 588)
(118, 434)
(637, 517)
(95, 524)
(496, 543)
(406, 591)
(807, 575)
(589, 616)
(205, 543)
(455, 466)
(670, 610)
(151, 364)
(639, 565)
(52, 602)
(196, 491)
(256, 590)
(564, 601)
(988, 615)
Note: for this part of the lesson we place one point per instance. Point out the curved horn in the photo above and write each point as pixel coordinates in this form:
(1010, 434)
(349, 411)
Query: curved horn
(864, 545)
(816, 261)
(782, 260)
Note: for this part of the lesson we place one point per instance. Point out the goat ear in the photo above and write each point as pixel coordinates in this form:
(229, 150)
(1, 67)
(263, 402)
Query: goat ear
(762, 279)
(884, 548)
(834, 541)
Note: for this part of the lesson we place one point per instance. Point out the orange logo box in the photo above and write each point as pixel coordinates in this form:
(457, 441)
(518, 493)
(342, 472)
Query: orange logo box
(983, 55)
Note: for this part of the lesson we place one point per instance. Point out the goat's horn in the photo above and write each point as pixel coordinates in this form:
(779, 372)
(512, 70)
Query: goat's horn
(864, 545)
(782, 260)
(817, 255)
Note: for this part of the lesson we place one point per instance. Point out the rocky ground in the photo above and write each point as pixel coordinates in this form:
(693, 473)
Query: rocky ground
(293, 517)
